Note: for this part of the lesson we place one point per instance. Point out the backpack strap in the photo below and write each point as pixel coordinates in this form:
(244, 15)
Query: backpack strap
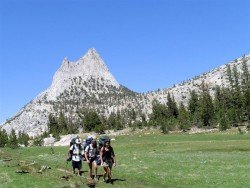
(87, 149)
(74, 147)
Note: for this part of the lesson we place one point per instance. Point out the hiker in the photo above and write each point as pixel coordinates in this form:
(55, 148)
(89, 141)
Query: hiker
(91, 157)
(76, 152)
(108, 160)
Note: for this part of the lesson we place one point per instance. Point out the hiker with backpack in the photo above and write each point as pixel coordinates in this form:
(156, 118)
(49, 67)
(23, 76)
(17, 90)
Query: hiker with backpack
(108, 160)
(75, 154)
(91, 158)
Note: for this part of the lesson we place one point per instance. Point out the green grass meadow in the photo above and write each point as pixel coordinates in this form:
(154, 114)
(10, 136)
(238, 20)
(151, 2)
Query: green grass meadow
(144, 160)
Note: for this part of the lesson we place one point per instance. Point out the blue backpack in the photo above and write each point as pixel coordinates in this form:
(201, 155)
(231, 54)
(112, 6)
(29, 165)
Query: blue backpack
(87, 142)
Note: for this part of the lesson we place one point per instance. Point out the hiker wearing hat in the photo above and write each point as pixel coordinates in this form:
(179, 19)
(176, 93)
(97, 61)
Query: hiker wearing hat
(76, 152)
(91, 157)
(108, 160)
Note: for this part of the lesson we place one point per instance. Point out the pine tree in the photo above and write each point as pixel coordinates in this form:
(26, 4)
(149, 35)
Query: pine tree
(171, 107)
(159, 111)
(206, 108)
(92, 121)
(164, 126)
(13, 142)
(119, 125)
(223, 122)
(174, 109)
(53, 126)
(193, 105)
(111, 122)
(232, 117)
(62, 124)
(23, 138)
(193, 102)
(217, 101)
(71, 127)
(220, 108)
(3, 138)
(237, 95)
(183, 117)
(234, 97)
(38, 141)
(245, 90)
(246, 105)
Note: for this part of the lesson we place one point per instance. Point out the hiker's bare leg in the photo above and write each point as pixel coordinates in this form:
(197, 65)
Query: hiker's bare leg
(95, 166)
(104, 172)
(109, 173)
(79, 171)
(90, 170)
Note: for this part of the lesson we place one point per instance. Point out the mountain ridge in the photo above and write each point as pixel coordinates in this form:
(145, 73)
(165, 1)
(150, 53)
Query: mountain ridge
(88, 83)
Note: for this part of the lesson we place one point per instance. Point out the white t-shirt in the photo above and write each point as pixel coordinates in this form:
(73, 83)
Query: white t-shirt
(77, 152)
(91, 151)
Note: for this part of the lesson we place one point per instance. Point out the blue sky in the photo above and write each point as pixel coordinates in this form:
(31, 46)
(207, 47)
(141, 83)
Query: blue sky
(146, 44)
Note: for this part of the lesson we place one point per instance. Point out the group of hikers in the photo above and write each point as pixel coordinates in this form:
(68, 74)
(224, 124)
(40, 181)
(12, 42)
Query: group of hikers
(94, 154)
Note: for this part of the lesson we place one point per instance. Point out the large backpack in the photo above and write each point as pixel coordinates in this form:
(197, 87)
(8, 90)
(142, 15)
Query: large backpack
(102, 140)
(72, 142)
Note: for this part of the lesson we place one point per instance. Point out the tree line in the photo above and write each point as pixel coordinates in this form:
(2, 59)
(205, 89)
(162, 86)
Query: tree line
(12, 140)
(89, 121)
(229, 107)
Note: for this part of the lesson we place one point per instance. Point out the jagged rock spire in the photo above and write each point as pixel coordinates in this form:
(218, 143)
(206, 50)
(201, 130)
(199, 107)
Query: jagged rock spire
(89, 66)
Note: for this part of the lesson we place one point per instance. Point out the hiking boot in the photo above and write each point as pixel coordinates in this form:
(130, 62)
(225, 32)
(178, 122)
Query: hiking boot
(108, 180)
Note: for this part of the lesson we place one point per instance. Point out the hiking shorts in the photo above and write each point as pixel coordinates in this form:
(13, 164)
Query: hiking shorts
(92, 159)
(77, 164)
(108, 163)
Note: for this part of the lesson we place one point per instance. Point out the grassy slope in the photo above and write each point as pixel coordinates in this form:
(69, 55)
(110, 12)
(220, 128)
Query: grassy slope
(201, 160)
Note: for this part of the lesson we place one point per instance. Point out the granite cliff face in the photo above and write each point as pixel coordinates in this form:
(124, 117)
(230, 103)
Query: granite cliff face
(87, 83)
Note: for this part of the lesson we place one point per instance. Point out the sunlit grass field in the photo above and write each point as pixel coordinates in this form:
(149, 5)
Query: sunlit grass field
(144, 160)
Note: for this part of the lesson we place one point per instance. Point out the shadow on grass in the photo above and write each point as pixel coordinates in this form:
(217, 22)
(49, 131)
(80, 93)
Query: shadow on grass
(91, 183)
(83, 171)
(114, 180)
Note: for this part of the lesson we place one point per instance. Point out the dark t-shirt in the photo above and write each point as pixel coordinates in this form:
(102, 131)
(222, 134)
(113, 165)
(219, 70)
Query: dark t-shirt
(107, 154)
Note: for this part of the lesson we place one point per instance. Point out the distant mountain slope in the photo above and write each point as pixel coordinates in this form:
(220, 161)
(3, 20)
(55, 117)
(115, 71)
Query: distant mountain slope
(213, 78)
(87, 83)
